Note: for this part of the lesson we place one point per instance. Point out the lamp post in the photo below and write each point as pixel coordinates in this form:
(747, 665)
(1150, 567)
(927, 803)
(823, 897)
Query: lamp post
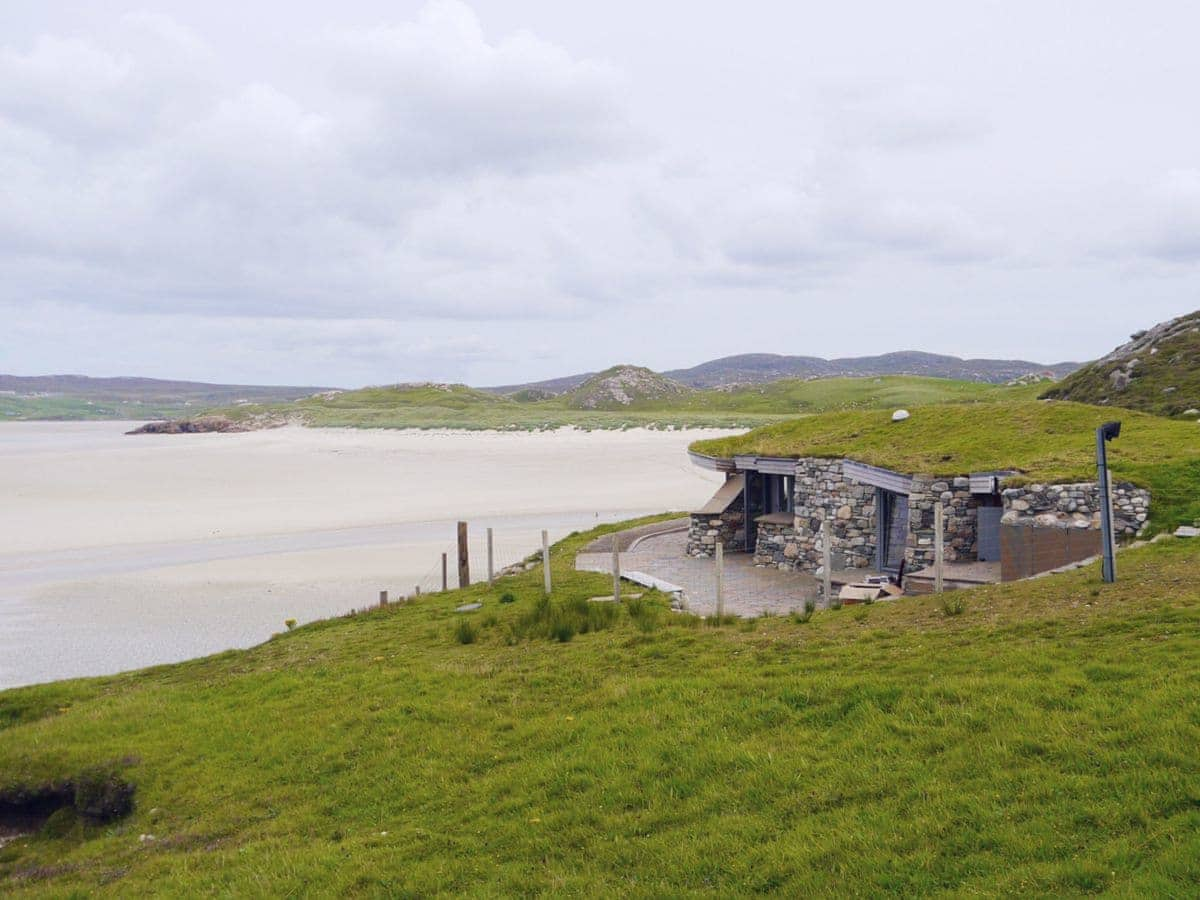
(1105, 433)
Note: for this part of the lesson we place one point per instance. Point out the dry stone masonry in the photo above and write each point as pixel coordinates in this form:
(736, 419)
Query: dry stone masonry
(706, 530)
(1076, 506)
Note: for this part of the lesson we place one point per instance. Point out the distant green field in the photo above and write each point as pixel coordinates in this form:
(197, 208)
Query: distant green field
(1039, 741)
(461, 407)
(77, 409)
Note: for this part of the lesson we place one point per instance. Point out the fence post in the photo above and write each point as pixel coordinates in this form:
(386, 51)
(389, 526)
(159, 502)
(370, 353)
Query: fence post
(616, 566)
(546, 560)
(445, 580)
(939, 549)
(383, 601)
(417, 591)
(491, 557)
(720, 548)
(827, 559)
(464, 557)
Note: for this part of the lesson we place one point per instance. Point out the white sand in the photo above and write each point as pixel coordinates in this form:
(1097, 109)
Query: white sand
(117, 552)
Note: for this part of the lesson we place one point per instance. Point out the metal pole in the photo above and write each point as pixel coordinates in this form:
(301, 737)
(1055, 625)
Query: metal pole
(546, 560)
(383, 600)
(720, 580)
(939, 547)
(1106, 528)
(445, 581)
(616, 566)
(491, 558)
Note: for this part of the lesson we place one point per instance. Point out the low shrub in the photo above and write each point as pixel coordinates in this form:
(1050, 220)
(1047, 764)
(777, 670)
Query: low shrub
(466, 632)
(507, 597)
(953, 604)
(562, 620)
(802, 618)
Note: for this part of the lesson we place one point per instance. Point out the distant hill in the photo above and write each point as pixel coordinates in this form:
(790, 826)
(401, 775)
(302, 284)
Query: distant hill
(757, 368)
(80, 397)
(763, 368)
(625, 386)
(149, 390)
(1156, 371)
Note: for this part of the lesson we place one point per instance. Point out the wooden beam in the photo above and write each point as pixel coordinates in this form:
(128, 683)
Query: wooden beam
(464, 557)
(939, 548)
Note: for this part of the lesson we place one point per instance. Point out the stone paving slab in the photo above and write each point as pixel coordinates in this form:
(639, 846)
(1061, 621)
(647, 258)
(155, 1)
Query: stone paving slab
(749, 590)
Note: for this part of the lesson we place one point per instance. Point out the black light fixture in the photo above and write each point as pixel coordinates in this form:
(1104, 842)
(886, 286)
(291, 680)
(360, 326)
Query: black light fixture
(1105, 433)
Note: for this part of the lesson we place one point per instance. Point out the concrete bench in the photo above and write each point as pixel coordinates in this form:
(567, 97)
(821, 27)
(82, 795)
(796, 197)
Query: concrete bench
(651, 582)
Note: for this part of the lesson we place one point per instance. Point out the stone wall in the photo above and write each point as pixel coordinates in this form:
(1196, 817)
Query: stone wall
(960, 523)
(822, 491)
(705, 530)
(1076, 506)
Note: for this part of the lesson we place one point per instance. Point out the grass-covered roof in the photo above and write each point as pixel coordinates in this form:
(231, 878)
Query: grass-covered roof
(1048, 442)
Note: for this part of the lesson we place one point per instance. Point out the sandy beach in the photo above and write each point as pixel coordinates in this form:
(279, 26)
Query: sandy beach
(119, 552)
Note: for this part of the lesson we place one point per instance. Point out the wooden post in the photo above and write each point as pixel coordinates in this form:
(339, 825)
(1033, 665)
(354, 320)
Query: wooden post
(720, 548)
(464, 558)
(383, 601)
(546, 560)
(491, 558)
(616, 571)
(445, 580)
(417, 591)
(939, 546)
(827, 559)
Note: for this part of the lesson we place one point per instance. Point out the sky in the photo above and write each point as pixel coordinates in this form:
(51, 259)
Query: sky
(496, 191)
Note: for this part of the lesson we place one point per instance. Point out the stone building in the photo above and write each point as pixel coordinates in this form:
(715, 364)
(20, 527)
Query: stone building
(883, 521)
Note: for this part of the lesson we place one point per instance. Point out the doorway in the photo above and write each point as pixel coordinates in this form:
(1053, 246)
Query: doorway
(892, 539)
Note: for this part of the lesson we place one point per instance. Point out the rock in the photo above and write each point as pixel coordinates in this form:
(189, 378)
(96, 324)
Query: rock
(468, 607)
(1191, 412)
(1187, 531)
(844, 513)
(1119, 379)
(900, 415)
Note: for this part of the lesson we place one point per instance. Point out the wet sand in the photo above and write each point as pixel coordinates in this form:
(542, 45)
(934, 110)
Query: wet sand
(118, 552)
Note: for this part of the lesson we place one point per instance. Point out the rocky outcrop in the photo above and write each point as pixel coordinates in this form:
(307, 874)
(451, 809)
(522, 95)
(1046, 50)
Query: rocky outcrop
(1156, 371)
(201, 424)
(624, 386)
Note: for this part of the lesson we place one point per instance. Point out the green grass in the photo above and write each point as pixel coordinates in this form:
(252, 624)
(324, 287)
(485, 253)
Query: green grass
(458, 406)
(1040, 742)
(1049, 442)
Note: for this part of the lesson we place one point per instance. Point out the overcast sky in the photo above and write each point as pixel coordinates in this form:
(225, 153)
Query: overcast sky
(367, 192)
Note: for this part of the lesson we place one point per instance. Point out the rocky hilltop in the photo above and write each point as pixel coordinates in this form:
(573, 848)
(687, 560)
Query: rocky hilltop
(1157, 371)
(624, 386)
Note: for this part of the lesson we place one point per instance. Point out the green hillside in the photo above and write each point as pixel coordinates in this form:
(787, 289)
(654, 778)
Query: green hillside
(1046, 442)
(1040, 742)
(1158, 371)
(650, 403)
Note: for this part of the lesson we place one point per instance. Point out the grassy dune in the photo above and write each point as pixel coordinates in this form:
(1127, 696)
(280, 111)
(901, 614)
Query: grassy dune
(458, 406)
(1042, 741)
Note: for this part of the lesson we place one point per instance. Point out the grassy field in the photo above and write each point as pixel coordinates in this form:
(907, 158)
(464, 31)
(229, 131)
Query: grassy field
(78, 409)
(1040, 741)
(1046, 442)
(458, 406)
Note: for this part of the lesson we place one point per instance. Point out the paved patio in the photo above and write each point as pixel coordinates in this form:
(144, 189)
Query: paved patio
(749, 591)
